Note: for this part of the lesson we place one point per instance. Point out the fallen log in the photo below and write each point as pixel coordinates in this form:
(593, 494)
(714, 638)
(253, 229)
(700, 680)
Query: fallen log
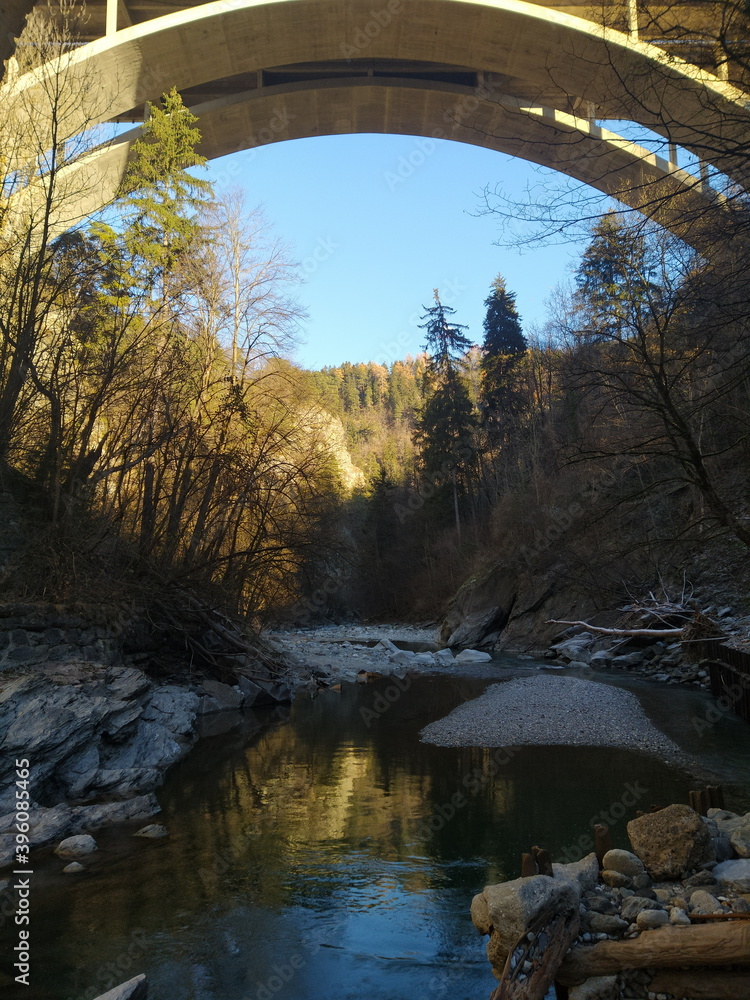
(666, 948)
(701, 984)
(657, 633)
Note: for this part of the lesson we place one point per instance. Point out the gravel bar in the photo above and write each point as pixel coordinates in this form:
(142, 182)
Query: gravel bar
(546, 711)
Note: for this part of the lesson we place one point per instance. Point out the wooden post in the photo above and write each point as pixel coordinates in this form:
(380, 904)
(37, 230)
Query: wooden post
(543, 860)
(528, 866)
(602, 841)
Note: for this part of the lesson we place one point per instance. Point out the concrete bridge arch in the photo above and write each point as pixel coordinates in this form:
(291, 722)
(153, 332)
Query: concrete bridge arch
(520, 77)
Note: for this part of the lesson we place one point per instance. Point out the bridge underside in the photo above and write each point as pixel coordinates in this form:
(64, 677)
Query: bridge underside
(509, 75)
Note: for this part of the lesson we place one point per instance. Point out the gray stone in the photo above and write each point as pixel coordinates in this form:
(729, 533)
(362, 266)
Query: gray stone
(649, 920)
(616, 880)
(127, 682)
(678, 917)
(575, 648)
(445, 656)
(740, 838)
(387, 645)
(174, 708)
(76, 847)
(606, 923)
(634, 905)
(720, 840)
(226, 696)
(134, 989)
(624, 862)
(208, 706)
(472, 656)
(404, 656)
(735, 874)
(154, 831)
(601, 659)
(671, 842)
(703, 902)
(73, 868)
(507, 909)
(627, 661)
(585, 871)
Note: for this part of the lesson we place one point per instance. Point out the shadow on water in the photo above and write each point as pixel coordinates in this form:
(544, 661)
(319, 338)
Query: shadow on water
(331, 854)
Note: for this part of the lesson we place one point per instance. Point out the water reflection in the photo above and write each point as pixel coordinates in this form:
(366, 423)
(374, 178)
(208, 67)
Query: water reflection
(332, 855)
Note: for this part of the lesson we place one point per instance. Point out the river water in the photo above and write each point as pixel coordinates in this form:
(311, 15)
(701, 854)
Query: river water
(325, 853)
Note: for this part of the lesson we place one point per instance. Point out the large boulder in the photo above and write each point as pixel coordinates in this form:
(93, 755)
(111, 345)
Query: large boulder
(480, 609)
(672, 842)
(740, 838)
(505, 911)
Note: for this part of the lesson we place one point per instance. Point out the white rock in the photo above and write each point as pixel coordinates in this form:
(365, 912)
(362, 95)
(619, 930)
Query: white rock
(403, 656)
(73, 868)
(472, 656)
(154, 831)
(387, 644)
(76, 847)
(445, 656)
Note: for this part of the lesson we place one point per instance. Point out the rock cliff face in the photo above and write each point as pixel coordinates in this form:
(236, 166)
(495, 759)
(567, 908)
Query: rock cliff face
(509, 609)
(89, 732)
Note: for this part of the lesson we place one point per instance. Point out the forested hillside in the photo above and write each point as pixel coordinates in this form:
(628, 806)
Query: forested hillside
(607, 453)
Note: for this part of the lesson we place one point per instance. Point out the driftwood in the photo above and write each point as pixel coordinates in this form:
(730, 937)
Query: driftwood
(657, 633)
(725, 943)
(552, 935)
(700, 984)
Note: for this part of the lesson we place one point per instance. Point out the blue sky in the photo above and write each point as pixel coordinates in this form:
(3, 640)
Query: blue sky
(377, 222)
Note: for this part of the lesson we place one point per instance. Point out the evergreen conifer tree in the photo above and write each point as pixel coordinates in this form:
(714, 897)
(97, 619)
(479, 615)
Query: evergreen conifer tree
(502, 348)
(446, 425)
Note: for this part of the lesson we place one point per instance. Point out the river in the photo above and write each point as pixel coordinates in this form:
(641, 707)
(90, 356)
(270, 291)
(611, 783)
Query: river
(325, 853)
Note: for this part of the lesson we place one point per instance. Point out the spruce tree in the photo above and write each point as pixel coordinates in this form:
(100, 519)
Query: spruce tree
(502, 348)
(446, 425)
(613, 280)
(159, 198)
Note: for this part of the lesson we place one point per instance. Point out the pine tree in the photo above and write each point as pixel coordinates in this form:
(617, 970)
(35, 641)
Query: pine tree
(502, 348)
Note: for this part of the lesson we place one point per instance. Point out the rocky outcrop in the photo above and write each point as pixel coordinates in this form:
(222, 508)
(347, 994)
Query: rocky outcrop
(481, 609)
(671, 842)
(95, 732)
(510, 609)
(90, 730)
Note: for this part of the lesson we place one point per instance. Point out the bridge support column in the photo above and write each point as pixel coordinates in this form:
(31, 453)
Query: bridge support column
(633, 19)
(111, 21)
